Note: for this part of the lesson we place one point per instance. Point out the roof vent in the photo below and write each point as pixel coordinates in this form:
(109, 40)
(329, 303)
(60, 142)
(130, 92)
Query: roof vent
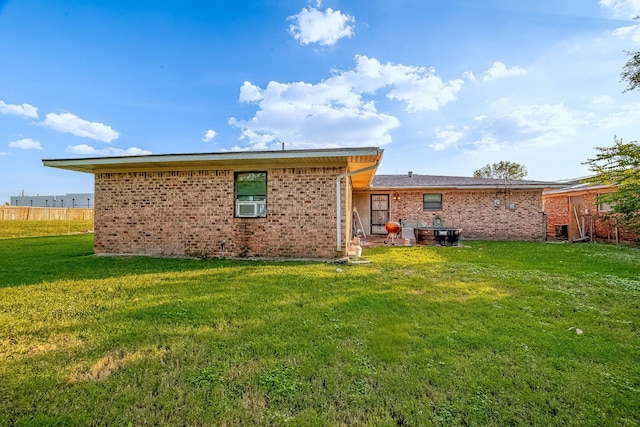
(410, 174)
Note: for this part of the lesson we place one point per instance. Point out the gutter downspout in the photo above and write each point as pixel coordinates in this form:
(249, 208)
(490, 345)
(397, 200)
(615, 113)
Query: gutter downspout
(338, 202)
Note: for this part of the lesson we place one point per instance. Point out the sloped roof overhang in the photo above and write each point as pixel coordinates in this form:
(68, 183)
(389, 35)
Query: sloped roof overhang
(579, 188)
(468, 187)
(351, 158)
(416, 182)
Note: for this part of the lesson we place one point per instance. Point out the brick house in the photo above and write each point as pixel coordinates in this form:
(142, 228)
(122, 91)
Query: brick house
(292, 204)
(484, 208)
(287, 204)
(574, 214)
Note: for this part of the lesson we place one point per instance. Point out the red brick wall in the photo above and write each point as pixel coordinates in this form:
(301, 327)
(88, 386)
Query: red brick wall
(476, 213)
(557, 208)
(189, 213)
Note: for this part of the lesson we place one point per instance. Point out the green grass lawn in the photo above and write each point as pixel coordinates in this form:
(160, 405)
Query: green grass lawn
(484, 334)
(12, 229)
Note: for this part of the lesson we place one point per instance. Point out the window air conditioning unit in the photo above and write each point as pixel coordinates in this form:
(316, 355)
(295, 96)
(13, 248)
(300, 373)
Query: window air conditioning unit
(250, 209)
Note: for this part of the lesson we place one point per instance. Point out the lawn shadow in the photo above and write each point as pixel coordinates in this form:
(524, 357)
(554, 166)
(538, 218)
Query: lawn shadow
(32, 261)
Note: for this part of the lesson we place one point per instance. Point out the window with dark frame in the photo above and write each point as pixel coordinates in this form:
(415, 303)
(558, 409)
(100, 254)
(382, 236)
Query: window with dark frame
(603, 207)
(432, 202)
(251, 194)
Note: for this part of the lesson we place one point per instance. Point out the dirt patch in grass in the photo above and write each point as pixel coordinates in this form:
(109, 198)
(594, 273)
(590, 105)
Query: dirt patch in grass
(112, 362)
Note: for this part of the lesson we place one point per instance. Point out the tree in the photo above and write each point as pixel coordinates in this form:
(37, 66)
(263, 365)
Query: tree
(619, 166)
(502, 170)
(631, 70)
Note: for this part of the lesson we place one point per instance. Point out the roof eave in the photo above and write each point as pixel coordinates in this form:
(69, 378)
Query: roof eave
(340, 156)
(579, 189)
(468, 187)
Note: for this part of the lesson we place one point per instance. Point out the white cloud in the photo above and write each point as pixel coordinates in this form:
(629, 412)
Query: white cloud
(250, 93)
(25, 110)
(469, 76)
(449, 136)
(303, 125)
(547, 119)
(325, 28)
(5, 153)
(602, 99)
(419, 87)
(87, 150)
(623, 8)
(209, 135)
(631, 32)
(238, 148)
(438, 146)
(625, 116)
(26, 144)
(70, 123)
(341, 110)
(499, 70)
(485, 143)
(446, 138)
(539, 125)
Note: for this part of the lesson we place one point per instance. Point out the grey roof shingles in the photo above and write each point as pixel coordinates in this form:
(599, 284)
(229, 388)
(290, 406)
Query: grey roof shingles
(435, 181)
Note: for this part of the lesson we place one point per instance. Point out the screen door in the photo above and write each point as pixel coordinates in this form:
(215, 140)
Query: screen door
(379, 213)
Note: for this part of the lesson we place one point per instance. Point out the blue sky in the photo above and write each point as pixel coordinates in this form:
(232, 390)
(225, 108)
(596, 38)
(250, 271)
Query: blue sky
(443, 87)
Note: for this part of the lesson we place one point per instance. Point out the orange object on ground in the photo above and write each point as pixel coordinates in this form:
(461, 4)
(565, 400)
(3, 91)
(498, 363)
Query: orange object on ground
(393, 227)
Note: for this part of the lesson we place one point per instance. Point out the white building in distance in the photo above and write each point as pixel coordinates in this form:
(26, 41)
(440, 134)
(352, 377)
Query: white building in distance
(72, 200)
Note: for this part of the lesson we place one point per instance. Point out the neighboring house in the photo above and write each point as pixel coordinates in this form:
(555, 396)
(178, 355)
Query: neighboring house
(484, 208)
(574, 214)
(293, 204)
